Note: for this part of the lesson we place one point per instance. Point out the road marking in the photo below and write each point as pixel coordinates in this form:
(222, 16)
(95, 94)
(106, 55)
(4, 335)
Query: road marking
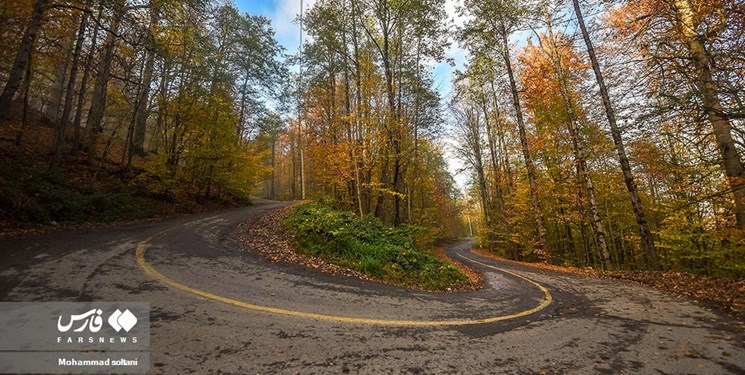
(150, 270)
(546, 293)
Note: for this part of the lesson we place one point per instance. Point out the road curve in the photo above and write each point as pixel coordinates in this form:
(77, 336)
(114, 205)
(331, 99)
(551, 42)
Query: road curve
(218, 307)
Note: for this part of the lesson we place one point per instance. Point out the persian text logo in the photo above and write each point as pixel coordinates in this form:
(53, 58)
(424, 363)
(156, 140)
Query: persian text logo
(92, 320)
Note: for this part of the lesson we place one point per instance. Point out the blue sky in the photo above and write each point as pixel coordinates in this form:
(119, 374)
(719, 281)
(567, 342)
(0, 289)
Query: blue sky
(283, 12)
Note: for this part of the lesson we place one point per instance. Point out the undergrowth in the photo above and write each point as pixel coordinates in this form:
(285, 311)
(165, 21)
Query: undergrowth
(366, 245)
(80, 191)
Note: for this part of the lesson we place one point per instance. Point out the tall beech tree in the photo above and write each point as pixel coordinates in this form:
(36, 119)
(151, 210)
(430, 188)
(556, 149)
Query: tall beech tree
(645, 234)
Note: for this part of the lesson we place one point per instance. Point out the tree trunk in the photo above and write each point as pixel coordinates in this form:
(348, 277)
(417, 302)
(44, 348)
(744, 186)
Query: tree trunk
(242, 114)
(537, 211)
(490, 136)
(647, 241)
(98, 101)
(473, 124)
(502, 143)
(84, 84)
(62, 125)
(349, 122)
(23, 56)
(355, 139)
(142, 112)
(56, 91)
(577, 147)
(26, 89)
(273, 192)
(712, 107)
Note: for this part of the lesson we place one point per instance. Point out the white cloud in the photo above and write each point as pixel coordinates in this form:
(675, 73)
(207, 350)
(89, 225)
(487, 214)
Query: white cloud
(284, 22)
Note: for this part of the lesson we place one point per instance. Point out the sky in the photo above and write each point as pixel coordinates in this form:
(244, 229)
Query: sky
(282, 14)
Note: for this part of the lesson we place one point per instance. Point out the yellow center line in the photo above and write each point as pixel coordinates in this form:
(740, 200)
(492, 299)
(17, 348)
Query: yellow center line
(150, 270)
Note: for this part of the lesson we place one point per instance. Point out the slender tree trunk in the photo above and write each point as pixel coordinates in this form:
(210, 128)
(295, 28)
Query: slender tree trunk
(577, 147)
(355, 138)
(62, 125)
(301, 108)
(242, 115)
(388, 56)
(84, 84)
(490, 136)
(473, 124)
(712, 107)
(127, 152)
(26, 89)
(162, 100)
(98, 102)
(293, 152)
(500, 157)
(56, 92)
(392, 120)
(502, 143)
(23, 56)
(647, 241)
(142, 111)
(417, 107)
(273, 193)
(570, 247)
(537, 211)
(349, 122)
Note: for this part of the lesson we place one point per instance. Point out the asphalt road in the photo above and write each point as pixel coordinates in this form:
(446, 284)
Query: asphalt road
(220, 308)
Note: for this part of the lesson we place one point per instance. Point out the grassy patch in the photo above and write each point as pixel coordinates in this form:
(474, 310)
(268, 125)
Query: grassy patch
(364, 244)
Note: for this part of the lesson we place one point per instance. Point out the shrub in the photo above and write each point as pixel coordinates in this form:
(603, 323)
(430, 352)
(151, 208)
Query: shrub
(365, 244)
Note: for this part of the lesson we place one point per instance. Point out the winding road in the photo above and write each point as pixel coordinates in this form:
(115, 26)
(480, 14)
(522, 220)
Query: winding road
(217, 307)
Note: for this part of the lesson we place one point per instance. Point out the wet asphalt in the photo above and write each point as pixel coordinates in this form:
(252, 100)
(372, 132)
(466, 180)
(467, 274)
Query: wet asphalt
(590, 327)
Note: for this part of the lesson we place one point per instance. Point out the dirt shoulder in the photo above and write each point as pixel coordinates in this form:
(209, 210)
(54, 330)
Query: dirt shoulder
(724, 294)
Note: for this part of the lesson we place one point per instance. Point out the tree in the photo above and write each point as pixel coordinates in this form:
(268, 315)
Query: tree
(492, 25)
(692, 52)
(707, 90)
(564, 81)
(469, 127)
(98, 101)
(645, 234)
(23, 56)
(270, 128)
(61, 133)
(142, 106)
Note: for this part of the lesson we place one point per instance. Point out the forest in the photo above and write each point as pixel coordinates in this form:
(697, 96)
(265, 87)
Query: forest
(135, 99)
(605, 134)
(613, 142)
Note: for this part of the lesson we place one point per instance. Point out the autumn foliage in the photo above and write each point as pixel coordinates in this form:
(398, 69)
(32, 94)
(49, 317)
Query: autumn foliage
(650, 178)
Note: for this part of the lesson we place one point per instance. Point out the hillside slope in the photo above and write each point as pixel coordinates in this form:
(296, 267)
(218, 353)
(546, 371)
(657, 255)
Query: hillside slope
(83, 191)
